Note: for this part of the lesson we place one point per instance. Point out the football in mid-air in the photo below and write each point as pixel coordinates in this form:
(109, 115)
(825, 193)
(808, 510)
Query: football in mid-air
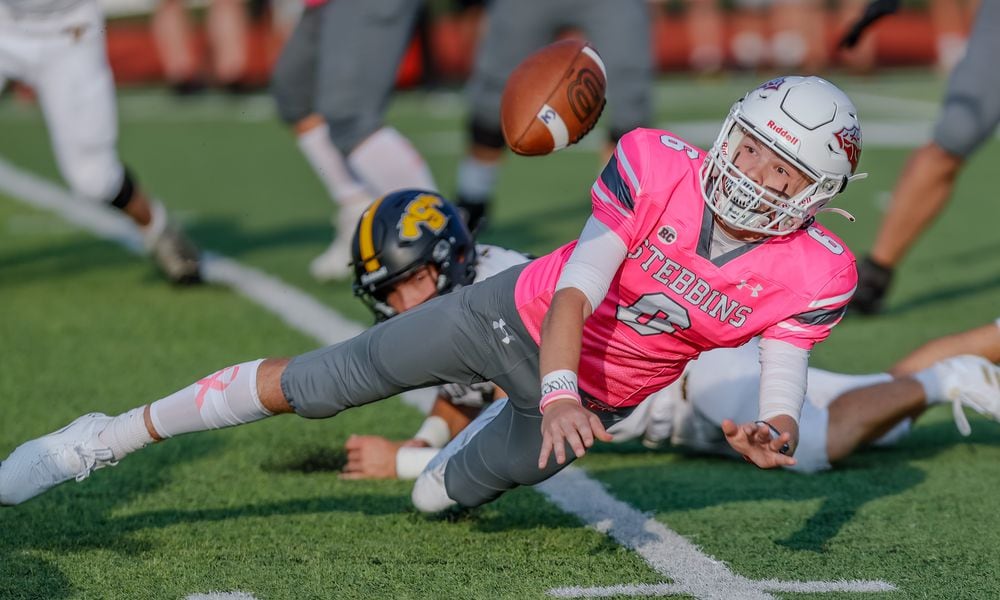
(553, 98)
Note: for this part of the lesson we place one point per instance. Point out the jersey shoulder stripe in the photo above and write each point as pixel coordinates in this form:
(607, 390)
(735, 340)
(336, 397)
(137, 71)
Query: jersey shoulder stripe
(821, 316)
(615, 183)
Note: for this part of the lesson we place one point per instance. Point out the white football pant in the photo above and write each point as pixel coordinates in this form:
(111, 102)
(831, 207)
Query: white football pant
(62, 57)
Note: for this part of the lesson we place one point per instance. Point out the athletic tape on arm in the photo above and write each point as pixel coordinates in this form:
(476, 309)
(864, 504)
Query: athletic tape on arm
(595, 260)
(783, 376)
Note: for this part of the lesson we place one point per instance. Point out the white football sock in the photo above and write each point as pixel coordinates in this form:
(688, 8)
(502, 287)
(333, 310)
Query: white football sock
(898, 432)
(328, 163)
(223, 399)
(152, 231)
(386, 161)
(126, 433)
(476, 179)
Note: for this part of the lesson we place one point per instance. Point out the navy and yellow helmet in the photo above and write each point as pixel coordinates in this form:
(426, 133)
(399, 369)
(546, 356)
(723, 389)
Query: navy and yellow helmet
(402, 232)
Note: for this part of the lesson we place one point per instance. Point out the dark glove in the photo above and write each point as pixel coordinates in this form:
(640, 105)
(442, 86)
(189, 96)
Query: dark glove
(875, 10)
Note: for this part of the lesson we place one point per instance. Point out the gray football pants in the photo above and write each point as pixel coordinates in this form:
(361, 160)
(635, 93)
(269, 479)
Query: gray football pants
(619, 29)
(341, 62)
(971, 108)
(468, 336)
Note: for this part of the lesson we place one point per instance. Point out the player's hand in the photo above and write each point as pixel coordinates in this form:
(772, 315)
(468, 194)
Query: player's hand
(755, 444)
(566, 422)
(370, 457)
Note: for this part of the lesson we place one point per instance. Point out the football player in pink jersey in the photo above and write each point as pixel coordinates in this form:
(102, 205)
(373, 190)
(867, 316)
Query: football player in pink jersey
(685, 251)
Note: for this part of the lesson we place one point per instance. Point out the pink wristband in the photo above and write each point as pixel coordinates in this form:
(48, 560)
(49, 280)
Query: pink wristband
(554, 395)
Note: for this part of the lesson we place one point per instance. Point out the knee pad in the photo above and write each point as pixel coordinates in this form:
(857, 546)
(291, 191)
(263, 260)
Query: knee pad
(97, 176)
(290, 108)
(349, 129)
(962, 126)
(486, 134)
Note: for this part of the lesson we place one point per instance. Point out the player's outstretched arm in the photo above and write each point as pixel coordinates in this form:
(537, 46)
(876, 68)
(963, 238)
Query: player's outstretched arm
(376, 457)
(756, 444)
(565, 421)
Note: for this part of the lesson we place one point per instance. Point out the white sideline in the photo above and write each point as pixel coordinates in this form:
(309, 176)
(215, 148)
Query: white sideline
(693, 572)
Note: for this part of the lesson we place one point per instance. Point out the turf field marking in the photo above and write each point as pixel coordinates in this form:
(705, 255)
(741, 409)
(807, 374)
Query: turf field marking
(296, 308)
(222, 596)
(670, 554)
(667, 552)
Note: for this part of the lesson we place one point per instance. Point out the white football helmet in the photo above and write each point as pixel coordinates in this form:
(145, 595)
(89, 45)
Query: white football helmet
(806, 121)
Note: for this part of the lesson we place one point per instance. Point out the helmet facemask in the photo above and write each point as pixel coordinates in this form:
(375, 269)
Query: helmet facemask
(376, 297)
(744, 204)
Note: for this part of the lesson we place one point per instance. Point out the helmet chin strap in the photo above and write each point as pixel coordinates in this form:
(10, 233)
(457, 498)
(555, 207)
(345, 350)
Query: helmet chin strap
(838, 211)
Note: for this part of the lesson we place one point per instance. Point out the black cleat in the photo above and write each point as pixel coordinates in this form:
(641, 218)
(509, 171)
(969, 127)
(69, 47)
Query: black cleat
(873, 285)
(177, 257)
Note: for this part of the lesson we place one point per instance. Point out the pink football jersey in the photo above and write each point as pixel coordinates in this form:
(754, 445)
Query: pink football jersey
(669, 300)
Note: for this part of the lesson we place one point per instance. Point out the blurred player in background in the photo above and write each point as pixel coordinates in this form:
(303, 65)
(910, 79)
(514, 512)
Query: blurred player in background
(332, 85)
(57, 47)
(684, 252)
(228, 31)
(969, 116)
(618, 29)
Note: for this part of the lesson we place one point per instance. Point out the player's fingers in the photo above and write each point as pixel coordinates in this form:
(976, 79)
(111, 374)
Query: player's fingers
(543, 456)
(570, 435)
(576, 441)
(598, 429)
(729, 428)
(779, 442)
(587, 434)
(559, 447)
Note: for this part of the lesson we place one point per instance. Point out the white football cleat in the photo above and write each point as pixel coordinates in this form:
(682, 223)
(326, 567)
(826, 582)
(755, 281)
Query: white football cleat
(335, 262)
(970, 381)
(429, 492)
(73, 452)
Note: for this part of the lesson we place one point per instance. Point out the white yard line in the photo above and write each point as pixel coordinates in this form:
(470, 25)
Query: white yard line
(693, 572)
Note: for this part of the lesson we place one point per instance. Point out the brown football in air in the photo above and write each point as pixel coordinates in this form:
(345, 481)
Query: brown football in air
(553, 98)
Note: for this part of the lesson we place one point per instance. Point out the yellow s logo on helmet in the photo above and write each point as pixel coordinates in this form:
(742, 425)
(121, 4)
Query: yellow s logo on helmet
(423, 210)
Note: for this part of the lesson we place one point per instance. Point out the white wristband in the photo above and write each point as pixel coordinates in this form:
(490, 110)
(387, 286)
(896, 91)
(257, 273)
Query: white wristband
(410, 462)
(560, 379)
(434, 431)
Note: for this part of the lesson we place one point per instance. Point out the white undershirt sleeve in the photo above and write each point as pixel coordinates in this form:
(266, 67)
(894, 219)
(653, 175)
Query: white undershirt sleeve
(595, 260)
(783, 376)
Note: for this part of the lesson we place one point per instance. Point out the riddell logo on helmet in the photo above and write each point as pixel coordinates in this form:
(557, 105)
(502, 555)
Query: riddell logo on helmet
(782, 132)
